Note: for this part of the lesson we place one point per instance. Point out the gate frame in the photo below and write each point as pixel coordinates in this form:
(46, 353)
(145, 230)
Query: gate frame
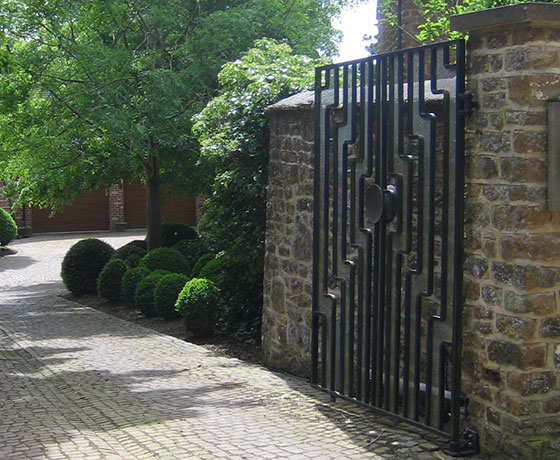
(464, 107)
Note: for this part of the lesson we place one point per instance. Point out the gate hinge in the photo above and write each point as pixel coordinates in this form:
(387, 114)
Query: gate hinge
(467, 104)
(470, 445)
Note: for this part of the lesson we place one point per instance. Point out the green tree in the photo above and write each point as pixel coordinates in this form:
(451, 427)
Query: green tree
(233, 134)
(111, 85)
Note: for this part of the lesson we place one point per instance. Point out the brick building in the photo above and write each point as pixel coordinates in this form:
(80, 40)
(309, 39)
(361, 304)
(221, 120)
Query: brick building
(122, 206)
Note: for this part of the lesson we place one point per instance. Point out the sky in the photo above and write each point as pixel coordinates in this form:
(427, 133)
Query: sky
(354, 23)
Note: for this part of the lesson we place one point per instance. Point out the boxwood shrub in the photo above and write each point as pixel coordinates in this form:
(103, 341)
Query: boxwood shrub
(172, 233)
(166, 293)
(110, 279)
(144, 294)
(166, 259)
(131, 254)
(242, 296)
(82, 264)
(130, 280)
(8, 228)
(140, 243)
(192, 249)
(199, 304)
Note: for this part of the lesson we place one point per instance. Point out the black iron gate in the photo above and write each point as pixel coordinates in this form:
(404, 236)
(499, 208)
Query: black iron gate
(388, 228)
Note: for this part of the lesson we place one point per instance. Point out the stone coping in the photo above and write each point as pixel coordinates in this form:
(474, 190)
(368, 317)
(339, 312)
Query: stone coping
(512, 14)
(306, 99)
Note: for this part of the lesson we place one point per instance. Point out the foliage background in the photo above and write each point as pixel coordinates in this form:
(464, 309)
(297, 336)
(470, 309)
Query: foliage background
(233, 134)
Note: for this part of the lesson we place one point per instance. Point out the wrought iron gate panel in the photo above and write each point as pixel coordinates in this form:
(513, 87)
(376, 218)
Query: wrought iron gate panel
(388, 226)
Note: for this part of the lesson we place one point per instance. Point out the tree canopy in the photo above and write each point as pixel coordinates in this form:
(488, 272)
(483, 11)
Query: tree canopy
(106, 90)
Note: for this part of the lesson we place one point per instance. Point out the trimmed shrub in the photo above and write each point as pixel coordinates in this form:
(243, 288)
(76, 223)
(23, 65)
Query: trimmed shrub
(166, 293)
(130, 280)
(242, 297)
(192, 249)
(8, 228)
(199, 304)
(130, 254)
(172, 233)
(166, 259)
(133, 260)
(139, 243)
(200, 263)
(144, 294)
(218, 270)
(82, 264)
(110, 279)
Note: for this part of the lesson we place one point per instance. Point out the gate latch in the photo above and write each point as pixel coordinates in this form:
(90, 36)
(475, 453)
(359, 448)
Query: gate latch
(467, 104)
(381, 204)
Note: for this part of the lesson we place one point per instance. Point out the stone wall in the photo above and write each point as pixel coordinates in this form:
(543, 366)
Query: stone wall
(512, 264)
(286, 326)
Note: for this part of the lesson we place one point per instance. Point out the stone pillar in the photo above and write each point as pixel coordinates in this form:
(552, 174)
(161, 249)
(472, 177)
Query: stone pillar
(286, 326)
(116, 206)
(512, 265)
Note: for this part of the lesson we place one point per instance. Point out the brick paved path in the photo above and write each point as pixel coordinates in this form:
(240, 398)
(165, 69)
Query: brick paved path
(78, 384)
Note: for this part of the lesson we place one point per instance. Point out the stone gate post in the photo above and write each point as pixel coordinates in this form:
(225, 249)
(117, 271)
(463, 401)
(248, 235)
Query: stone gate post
(512, 265)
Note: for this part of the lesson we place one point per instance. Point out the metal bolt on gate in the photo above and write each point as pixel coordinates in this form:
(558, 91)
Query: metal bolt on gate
(388, 230)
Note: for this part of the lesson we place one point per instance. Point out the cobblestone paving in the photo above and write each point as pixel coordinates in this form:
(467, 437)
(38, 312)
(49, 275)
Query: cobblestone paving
(78, 384)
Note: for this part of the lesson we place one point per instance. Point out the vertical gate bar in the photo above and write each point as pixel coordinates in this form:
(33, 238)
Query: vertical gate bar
(431, 231)
(389, 102)
(328, 371)
(383, 237)
(430, 256)
(393, 239)
(377, 355)
(407, 296)
(335, 246)
(419, 246)
(350, 331)
(445, 230)
(369, 344)
(458, 255)
(357, 220)
(340, 192)
(397, 272)
(317, 152)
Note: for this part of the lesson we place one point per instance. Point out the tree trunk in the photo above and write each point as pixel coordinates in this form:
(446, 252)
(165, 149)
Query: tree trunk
(153, 202)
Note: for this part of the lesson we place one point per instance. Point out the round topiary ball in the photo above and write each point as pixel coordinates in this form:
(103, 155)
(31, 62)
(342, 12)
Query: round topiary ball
(140, 243)
(166, 293)
(199, 305)
(110, 279)
(130, 254)
(130, 280)
(83, 263)
(172, 233)
(166, 259)
(8, 228)
(192, 249)
(144, 294)
(133, 260)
